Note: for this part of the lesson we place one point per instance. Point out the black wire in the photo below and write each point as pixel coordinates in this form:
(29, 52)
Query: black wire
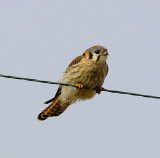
(64, 84)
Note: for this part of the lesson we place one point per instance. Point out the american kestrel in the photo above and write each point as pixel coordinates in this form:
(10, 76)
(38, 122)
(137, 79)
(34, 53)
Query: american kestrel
(87, 70)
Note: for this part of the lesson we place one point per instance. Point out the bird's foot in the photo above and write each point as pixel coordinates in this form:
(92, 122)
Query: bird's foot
(99, 89)
(79, 86)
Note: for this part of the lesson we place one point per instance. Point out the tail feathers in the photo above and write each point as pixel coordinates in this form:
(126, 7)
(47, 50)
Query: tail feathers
(50, 110)
(54, 109)
(60, 110)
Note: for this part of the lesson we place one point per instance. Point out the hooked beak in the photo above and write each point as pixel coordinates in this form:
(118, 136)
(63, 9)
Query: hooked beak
(105, 53)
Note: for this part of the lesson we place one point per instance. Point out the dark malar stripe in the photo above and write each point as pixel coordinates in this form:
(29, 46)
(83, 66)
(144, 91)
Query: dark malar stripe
(90, 55)
(98, 58)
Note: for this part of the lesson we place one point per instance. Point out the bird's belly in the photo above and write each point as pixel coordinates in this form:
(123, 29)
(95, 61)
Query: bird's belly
(92, 79)
(77, 94)
(84, 94)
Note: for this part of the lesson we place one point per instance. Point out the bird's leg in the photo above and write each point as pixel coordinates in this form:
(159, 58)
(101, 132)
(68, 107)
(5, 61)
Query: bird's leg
(79, 86)
(99, 89)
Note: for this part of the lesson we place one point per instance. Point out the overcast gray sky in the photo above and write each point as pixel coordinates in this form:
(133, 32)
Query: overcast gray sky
(38, 39)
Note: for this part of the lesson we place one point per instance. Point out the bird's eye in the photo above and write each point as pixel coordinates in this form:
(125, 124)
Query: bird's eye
(97, 51)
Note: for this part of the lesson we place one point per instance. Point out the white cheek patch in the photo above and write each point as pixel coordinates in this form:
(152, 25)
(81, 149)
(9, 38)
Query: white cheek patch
(95, 57)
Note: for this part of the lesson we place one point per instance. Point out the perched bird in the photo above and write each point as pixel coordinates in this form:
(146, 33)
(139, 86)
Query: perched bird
(87, 70)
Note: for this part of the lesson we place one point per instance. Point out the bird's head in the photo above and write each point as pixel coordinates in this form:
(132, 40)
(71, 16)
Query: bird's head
(96, 54)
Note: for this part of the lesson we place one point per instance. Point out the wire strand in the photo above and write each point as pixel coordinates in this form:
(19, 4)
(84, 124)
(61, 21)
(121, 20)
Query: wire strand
(64, 84)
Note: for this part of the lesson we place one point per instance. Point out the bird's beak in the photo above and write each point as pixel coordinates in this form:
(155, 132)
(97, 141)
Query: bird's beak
(105, 53)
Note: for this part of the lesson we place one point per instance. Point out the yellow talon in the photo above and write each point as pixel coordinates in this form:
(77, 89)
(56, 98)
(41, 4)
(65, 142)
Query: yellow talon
(79, 86)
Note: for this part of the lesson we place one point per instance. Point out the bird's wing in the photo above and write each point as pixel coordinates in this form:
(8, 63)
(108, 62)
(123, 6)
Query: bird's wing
(74, 62)
(57, 94)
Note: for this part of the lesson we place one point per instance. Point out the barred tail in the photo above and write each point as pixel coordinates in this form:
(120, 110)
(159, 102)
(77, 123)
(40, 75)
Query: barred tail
(50, 110)
(54, 109)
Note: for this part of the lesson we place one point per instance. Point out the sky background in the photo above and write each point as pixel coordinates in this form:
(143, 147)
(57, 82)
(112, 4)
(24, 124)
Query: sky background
(38, 39)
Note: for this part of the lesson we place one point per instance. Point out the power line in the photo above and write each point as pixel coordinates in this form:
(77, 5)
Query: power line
(64, 84)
